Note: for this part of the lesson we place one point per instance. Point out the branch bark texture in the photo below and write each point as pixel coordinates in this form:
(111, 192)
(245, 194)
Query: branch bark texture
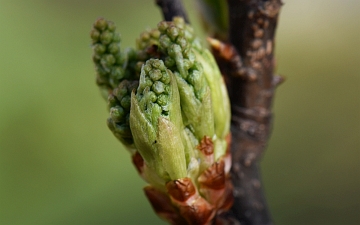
(171, 8)
(247, 63)
(251, 87)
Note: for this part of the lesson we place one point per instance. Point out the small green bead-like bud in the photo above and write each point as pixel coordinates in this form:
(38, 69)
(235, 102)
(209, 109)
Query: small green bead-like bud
(112, 101)
(165, 41)
(117, 73)
(111, 26)
(158, 87)
(165, 78)
(99, 49)
(155, 74)
(117, 114)
(101, 24)
(162, 100)
(107, 61)
(146, 41)
(169, 62)
(119, 105)
(106, 37)
(173, 33)
(125, 102)
(145, 36)
(95, 35)
(114, 48)
(179, 22)
(155, 34)
(162, 26)
(100, 72)
(182, 42)
(121, 91)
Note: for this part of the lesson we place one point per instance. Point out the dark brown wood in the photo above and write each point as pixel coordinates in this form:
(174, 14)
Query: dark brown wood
(171, 8)
(251, 87)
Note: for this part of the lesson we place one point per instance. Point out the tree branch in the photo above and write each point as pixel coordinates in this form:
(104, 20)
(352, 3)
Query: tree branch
(251, 87)
(171, 8)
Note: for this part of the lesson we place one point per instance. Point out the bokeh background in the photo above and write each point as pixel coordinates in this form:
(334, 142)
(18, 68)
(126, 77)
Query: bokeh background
(59, 164)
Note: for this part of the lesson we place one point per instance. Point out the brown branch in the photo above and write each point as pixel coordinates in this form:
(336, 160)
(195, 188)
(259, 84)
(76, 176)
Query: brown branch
(171, 8)
(251, 85)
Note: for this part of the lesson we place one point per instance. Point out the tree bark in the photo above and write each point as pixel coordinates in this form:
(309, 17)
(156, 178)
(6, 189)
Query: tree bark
(171, 8)
(247, 63)
(251, 87)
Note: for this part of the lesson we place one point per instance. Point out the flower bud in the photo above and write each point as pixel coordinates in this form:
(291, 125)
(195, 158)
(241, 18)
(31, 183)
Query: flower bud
(157, 127)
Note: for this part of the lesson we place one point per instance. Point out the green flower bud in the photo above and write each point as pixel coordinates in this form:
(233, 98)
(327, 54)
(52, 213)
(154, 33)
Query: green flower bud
(147, 39)
(107, 61)
(169, 106)
(99, 49)
(111, 64)
(101, 24)
(114, 48)
(117, 114)
(219, 96)
(157, 127)
(162, 26)
(95, 35)
(180, 58)
(187, 30)
(111, 26)
(112, 101)
(220, 99)
(119, 106)
(106, 37)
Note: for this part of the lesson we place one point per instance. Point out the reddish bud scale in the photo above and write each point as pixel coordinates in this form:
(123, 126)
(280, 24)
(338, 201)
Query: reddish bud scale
(215, 183)
(138, 162)
(212, 183)
(183, 204)
(194, 208)
(214, 176)
(181, 190)
(206, 147)
(162, 205)
(227, 199)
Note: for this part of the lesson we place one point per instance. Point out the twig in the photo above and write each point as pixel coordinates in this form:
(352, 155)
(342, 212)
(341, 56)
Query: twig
(171, 8)
(252, 29)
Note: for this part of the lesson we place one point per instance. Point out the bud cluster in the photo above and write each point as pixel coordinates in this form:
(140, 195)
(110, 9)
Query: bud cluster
(119, 102)
(153, 91)
(168, 106)
(148, 38)
(156, 110)
(111, 64)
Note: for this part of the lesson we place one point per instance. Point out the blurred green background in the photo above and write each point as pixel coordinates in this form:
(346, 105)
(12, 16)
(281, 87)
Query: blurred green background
(59, 164)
